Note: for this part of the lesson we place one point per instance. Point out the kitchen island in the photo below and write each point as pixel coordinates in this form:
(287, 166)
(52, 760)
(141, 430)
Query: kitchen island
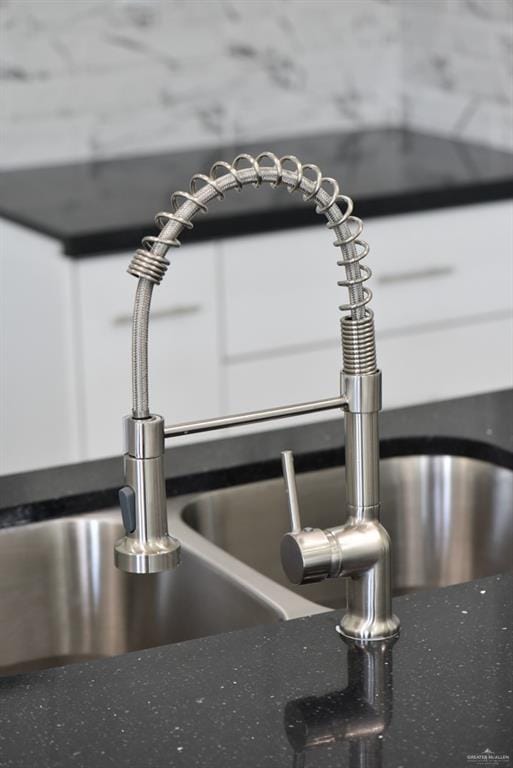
(291, 693)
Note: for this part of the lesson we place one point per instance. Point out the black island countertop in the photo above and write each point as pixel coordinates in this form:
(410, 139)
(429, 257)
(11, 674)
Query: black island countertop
(292, 694)
(109, 205)
(289, 694)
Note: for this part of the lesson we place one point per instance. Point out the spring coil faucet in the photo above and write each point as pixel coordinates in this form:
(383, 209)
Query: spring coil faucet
(360, 548)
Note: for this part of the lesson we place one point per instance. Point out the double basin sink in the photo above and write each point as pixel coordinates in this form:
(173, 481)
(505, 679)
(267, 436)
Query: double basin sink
(62, 600)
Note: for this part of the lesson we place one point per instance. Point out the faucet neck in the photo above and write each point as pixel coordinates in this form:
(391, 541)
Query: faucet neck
(362, 465)
(150, 263)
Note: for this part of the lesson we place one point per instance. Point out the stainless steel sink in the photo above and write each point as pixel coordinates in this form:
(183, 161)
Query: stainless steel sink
(450, 519)
(62, 600)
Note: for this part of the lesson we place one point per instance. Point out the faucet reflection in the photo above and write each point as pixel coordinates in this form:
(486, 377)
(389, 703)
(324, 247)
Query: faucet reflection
(358, 715)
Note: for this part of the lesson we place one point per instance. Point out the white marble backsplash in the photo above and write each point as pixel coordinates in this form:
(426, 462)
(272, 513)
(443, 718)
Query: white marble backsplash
(90, 79)
(457, 69)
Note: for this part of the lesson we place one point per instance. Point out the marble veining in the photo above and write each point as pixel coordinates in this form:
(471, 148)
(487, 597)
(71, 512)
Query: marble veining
(459, 84)
(102, 78)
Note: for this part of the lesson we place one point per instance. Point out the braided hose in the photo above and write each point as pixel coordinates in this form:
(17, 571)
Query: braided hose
(149, 263)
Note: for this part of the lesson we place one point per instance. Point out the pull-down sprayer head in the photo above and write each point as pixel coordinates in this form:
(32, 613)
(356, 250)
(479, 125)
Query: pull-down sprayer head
(147, 546)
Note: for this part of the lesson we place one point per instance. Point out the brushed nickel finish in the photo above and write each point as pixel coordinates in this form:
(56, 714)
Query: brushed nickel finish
(144, 438)
(359, 549)
(254, 417)
(450, 520)
(148, 548)
(320, 554)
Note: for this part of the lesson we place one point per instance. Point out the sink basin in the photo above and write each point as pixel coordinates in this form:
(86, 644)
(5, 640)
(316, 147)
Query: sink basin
(450, 519)
(62, 600)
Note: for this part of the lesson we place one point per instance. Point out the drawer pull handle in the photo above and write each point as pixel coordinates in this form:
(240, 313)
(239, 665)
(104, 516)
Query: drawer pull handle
(420, 274)
(179, 310)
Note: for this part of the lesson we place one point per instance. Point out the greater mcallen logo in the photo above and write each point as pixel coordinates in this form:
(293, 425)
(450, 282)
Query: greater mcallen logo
(489, 758)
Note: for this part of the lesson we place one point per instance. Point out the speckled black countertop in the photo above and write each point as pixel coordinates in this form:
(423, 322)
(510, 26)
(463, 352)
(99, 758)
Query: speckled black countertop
(291, 694)
(109, 205)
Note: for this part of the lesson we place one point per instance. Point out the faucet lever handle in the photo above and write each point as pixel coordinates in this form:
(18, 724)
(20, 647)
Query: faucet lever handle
(306, 553)
(289, 475)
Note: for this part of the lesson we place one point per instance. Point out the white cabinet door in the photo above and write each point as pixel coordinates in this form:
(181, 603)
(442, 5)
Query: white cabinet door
(37, 387)
(439, 266)
(417, 367)
(281, 293)
(437, 275)
(441, 363)
(183, 343)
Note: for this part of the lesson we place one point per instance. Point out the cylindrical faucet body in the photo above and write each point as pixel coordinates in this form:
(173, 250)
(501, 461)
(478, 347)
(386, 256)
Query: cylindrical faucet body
(362, 464)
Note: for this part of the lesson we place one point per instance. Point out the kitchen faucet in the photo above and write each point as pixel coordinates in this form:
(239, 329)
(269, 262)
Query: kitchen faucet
(360, 548)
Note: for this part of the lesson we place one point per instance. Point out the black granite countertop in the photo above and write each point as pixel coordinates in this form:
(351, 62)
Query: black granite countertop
(106, 206)
(291, 694)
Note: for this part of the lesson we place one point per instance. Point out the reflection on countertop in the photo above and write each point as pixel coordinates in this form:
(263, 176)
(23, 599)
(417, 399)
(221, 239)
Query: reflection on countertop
(359, 714)
(220, 702)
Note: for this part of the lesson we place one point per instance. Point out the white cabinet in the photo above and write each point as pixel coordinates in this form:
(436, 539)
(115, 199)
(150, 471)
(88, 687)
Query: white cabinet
(438, 363)
(425, 365)
(37, 379)
(183, 343)
(65, 348)
(435, 267)
(245, 323)
(443, 302)
(280, 291)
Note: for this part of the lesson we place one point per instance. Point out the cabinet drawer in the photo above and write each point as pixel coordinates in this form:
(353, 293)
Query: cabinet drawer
(449, 264)
(417, 367)
(281, 289)
(183, 346)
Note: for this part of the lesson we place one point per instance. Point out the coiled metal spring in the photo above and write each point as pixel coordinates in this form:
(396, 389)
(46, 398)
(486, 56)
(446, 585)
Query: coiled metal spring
(150, 262)
(358, 345)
